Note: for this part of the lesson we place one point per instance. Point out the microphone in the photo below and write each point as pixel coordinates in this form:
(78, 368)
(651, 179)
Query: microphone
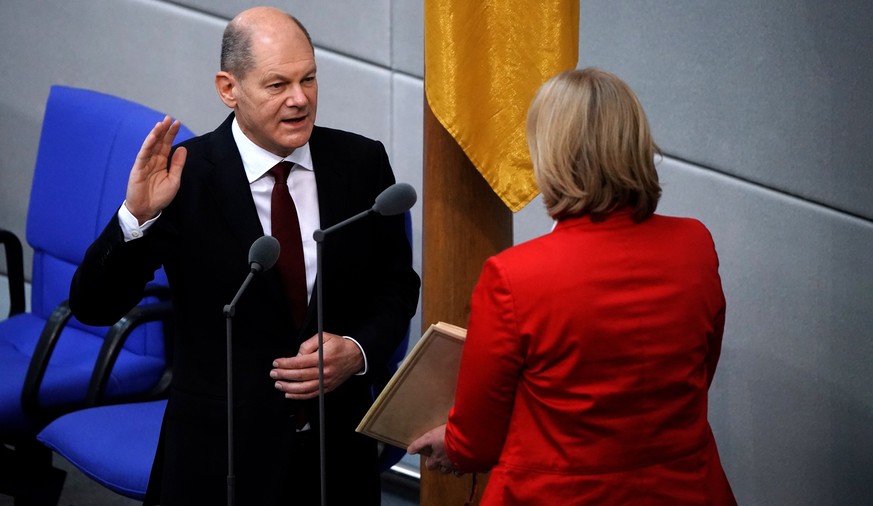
(262, 256)
(396, 199)
(264, 253)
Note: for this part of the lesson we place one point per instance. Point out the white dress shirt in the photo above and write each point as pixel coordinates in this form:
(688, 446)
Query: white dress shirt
(257, 162)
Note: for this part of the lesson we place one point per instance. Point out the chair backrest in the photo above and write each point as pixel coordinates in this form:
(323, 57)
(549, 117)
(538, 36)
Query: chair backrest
(88, 144)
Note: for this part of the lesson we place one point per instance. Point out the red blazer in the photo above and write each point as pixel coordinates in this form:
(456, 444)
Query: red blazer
(585, 373)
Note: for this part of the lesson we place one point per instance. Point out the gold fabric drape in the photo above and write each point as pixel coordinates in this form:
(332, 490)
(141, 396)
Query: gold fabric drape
(484, 60)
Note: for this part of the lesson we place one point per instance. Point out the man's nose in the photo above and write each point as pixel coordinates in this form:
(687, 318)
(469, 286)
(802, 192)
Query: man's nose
(296, 97)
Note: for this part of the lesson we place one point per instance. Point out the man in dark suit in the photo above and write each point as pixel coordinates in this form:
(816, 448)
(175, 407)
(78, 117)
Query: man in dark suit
(196, 210)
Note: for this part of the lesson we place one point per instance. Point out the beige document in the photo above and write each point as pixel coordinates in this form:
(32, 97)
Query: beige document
(419, 395)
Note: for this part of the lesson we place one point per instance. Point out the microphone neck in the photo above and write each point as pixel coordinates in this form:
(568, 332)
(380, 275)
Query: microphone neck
(319, 235)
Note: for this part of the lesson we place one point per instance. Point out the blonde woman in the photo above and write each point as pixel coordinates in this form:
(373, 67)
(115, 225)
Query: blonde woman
(590, 350)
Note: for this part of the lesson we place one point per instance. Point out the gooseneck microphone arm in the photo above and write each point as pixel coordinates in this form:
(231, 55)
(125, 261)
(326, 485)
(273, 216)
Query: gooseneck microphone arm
(318, 235)
(396, 199)
(262, 256)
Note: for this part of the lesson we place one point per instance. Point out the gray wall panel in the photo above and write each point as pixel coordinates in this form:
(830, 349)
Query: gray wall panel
(407, 130)
(354, 95)
(791, 404)
(532, 221)
(153, 53)
(358, 29)
(407, 36)
(774, 92)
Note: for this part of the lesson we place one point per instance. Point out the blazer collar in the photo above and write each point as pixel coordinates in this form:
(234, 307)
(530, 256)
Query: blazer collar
(230, 186)
(619, 218)
(324, 161)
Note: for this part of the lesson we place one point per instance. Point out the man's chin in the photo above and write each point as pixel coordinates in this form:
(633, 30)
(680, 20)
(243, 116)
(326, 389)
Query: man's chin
(292, 142)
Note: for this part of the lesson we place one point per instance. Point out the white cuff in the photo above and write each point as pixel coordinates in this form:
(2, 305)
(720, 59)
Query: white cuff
(364, 371)
(130, 227)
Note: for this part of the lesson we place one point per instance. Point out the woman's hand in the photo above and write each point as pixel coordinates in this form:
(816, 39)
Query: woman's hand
(432, 444)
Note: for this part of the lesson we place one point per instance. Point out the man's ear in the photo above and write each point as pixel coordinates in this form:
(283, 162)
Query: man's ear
(225, 85)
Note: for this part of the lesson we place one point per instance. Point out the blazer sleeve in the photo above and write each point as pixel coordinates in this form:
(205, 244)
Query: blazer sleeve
(714, 338)
(111, 278)
(491, 365)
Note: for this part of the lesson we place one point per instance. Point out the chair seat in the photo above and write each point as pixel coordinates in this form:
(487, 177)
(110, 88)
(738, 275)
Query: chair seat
(114, 445)
(70, 368)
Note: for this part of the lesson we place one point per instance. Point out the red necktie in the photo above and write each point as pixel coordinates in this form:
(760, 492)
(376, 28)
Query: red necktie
(286, 228)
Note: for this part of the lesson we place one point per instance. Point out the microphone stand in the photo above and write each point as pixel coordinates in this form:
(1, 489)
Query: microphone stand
(320, 322)
(229, 311)
(395, 199)
(262, 255)
(319, 236)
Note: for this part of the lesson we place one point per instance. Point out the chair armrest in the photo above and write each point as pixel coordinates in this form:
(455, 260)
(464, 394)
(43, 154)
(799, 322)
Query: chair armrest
(48, 339)
(114, 341)
(160, 292)
(112, 344)
(14, 271)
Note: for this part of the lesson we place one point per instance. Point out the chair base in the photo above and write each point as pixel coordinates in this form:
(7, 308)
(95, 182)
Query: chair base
(27, 474)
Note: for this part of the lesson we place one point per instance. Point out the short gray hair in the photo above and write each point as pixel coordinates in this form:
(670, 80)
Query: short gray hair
(236, 46)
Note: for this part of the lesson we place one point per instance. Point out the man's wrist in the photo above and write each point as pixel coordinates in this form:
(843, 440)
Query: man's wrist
(130, 225)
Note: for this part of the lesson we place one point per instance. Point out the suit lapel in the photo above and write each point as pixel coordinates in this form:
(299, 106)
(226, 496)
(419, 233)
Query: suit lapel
(230, 187)
(324, 161)
(321, 162)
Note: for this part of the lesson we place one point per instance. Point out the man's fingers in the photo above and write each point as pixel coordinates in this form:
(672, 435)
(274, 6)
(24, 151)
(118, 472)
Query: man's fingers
(155, 142)
(297, 389)
(308, 346)
(294, 373)
(311, 345)
(178, 162)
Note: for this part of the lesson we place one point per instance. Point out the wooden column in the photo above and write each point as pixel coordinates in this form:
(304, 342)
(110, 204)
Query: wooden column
(464, 223)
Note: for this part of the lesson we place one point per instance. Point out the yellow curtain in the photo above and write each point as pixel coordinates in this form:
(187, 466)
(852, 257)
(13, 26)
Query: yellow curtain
(484, 60)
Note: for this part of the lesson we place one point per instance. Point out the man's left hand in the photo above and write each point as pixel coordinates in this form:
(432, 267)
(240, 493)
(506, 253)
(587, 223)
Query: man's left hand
(297, 376)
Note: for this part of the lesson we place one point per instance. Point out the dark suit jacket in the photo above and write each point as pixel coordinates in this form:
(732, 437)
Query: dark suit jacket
(202, 239)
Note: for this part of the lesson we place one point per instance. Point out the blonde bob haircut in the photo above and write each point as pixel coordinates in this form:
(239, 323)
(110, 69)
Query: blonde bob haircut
(591, 147)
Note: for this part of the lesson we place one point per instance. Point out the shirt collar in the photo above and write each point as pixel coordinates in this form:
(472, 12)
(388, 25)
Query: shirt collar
(257, 160)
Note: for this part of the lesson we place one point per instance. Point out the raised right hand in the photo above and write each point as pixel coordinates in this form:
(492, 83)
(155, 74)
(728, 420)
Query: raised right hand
(151, 186)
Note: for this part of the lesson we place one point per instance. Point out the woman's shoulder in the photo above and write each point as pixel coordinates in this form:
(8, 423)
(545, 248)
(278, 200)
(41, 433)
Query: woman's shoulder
(530, 251)
(682, 225)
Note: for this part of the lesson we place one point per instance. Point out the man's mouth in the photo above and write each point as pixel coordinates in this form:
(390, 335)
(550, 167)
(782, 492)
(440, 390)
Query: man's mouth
(294, 121)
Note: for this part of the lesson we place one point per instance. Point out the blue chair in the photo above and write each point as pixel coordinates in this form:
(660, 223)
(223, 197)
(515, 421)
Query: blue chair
(88, 143)
(115, 445)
